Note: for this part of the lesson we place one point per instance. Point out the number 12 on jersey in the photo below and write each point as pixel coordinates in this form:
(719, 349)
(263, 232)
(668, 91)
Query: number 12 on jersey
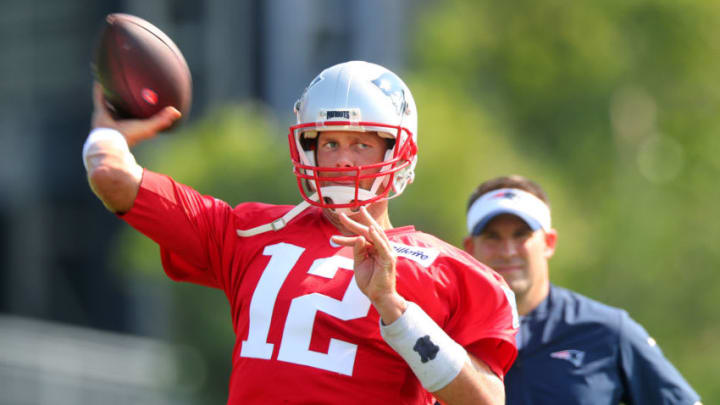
(298, 329)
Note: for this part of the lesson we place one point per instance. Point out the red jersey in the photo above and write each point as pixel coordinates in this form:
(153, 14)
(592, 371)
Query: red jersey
(305, 333)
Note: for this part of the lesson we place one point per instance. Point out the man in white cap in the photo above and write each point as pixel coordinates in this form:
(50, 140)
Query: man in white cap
(572, 349)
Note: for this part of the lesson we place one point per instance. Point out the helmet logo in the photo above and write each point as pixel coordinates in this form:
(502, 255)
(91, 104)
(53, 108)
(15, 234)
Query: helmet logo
(392, 87)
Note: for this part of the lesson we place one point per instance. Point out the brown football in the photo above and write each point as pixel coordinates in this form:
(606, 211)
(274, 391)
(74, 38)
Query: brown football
(140, 68)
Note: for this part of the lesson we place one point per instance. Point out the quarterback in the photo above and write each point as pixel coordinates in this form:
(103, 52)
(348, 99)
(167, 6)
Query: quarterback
(329, 302)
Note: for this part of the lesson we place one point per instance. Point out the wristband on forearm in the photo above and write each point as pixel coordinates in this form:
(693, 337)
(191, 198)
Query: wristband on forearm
(101, 141)
(434, 357)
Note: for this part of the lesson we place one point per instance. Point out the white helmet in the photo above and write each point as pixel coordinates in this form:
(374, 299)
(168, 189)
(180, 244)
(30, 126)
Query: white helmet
(355, 96)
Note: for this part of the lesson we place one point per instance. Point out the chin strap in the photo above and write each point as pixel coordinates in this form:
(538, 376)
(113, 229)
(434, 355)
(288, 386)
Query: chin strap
(277, 224)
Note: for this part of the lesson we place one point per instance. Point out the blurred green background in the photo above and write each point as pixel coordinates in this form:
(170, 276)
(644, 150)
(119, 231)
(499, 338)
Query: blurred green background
(612, 106)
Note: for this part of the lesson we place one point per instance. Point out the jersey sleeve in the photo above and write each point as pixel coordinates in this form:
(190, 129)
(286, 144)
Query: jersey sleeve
(650, 377)
(188, 227)
(489, 323)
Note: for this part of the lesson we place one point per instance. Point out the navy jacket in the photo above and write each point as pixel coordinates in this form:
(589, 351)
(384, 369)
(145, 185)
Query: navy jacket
(574, 350)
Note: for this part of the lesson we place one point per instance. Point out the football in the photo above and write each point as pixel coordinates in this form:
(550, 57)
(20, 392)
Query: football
(140, 68)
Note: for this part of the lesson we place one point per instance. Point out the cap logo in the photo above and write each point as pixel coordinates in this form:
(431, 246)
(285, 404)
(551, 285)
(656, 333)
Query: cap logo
(505, 194)
(523, 204)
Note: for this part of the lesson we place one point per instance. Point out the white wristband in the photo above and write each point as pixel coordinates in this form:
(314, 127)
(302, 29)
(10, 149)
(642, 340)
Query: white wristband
(432, 355)
(101, 141)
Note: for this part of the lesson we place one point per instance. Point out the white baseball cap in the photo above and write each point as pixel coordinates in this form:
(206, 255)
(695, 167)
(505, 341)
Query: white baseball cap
(513, 201)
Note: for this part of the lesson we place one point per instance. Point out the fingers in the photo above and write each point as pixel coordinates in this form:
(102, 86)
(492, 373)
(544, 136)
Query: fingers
(352, 225)
(380, 241)
(165, 117)
(374, 230)
(361, 247)
(135, 129)
(372, 233)
(101, 116)
(161, 120)
(98, 99)
(139, 130)
(345, 240)
(359, 227)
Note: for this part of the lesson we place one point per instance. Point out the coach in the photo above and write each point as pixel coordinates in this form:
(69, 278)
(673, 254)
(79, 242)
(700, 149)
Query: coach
(572, 350)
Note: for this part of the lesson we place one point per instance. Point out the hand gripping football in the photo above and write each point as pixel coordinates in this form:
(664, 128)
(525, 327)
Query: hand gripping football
(140, 69)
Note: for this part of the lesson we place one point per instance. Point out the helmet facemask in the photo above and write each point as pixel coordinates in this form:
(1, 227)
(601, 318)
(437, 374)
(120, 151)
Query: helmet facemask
(359, 97)
(389, 177)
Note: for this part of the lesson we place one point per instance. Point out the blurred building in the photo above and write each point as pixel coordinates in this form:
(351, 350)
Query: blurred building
(54, 234)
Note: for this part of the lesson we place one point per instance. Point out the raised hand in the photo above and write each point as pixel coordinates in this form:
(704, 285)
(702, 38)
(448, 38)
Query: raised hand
(374, 264)
(113, 173)
(134, 130)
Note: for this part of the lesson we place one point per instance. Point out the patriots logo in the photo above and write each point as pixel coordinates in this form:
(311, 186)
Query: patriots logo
(426, 348)
(505, 194)
(391, 86)
(573, 356)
